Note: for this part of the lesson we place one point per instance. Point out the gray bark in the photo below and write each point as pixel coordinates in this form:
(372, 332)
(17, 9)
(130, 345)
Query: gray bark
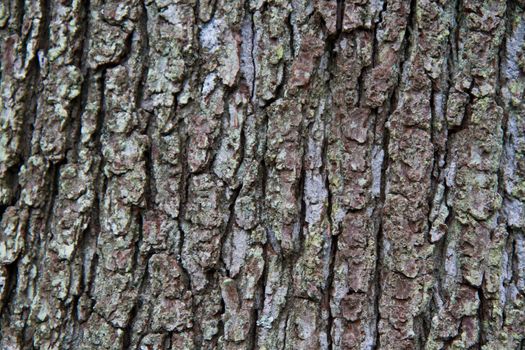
(227, 174)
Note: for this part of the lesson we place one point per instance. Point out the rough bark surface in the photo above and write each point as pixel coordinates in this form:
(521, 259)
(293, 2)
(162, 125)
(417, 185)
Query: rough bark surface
(257, 174)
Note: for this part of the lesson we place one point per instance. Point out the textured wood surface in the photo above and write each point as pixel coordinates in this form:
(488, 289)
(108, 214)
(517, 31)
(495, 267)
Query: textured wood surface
(227, 174)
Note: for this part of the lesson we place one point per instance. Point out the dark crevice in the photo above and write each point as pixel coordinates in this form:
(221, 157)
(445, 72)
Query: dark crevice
(54, 188)
(220, 332)
(262, 138)
(100, 183)
(507, 249)
(515, 265)
(128, 330)
(409, 41)
(90, 283)
(291, 29)
(100, 131)
(379, 236)
(10, 287)
(435, 169)
(139, 222)
(361, 86)
(228, 227)
(145, 53)
(149, 189)
(298, 244)
(330, 47)
(333, 239)
(80, 102)
(263, 280)
(340, 11)
(20, 12)
(482, 314)
(252, 56)
(422, 324)
(286, 326)
(459, 16)
(375, 42)
(330, 290)
(446, 153)
(504, 158)
(167, 341)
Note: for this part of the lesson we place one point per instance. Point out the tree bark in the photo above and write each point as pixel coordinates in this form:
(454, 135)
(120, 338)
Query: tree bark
(271, 174)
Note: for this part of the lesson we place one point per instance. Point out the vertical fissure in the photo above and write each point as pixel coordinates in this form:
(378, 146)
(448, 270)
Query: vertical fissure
(263, 280)
(332, 238)
(340, 12)
(379, 234)
(150, 187)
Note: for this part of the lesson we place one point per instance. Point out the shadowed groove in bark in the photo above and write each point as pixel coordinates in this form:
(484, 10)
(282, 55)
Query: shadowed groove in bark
(331, 42)
(263, 179)
(340, 16)
(379, 235)
(333, 251)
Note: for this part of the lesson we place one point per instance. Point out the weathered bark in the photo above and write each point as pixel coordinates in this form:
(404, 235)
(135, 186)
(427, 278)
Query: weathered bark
(226, 174)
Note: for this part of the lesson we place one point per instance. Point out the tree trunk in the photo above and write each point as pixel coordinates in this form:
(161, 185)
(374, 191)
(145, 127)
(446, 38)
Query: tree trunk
(271, 174)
